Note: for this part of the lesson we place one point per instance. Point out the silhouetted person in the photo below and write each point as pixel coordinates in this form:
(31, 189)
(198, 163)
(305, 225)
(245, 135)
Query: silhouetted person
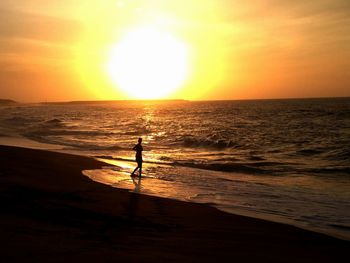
(138, 148)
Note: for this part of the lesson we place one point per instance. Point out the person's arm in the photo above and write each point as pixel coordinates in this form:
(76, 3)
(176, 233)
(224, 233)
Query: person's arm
(134, 148)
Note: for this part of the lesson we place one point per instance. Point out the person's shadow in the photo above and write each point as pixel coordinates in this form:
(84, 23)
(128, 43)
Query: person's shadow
(134, 197)
(137, 183)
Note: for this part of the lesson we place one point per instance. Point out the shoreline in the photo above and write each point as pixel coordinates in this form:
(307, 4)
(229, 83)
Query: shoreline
(237, 211)
(22, 142)
(49, 205)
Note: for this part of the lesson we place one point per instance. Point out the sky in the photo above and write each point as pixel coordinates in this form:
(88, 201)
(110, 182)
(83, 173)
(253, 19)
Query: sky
(59, 50)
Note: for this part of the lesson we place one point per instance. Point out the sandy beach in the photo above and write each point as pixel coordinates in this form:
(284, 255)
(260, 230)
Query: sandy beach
(53, 213)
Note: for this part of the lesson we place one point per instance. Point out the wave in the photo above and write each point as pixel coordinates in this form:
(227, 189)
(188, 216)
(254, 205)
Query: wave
(329, 170)
(19, 120)
(271, 168)
(83, 146)
(340, 226)
(256, 158)
(138, 132)
(339, 155)
(98, 147)
(309, 152)
(263, 168)
(53, 121)
(44, 131)
(33, 123)
(208, 143)
(259, 167)
(225, 167)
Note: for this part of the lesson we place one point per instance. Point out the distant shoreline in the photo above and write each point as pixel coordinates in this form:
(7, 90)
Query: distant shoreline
(9, 101)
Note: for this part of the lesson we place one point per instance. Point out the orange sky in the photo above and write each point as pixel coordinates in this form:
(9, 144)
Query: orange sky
(57, 50)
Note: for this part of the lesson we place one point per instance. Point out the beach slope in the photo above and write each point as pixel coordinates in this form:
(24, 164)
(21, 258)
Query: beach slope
(50, 212)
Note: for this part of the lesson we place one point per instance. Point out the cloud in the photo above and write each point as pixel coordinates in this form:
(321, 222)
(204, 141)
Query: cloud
(18, 24)
(27, 40)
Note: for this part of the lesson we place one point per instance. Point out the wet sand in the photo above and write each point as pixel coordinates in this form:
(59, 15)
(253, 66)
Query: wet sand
(50, 212)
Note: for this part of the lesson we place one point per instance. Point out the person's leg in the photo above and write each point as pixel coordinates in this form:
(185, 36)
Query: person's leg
(140, 167)
(137, 167)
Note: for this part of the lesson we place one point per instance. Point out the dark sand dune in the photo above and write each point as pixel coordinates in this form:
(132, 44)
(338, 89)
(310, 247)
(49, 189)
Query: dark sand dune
(50, 212)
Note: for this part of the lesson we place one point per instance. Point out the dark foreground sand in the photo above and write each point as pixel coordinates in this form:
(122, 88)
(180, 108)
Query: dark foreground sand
(50, 212)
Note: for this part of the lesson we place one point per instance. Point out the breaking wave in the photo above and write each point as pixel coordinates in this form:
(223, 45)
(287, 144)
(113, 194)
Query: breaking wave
(208, 143)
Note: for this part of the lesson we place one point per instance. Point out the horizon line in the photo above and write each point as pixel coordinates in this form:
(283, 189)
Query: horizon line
(165, 100)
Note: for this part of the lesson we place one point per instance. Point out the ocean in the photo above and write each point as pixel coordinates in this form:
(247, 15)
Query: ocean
(281, 160)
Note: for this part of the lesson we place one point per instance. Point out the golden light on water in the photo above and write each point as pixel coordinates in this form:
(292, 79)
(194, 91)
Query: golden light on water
(148, 63)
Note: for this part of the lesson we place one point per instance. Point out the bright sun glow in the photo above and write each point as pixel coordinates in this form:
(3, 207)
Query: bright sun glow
(148, 63)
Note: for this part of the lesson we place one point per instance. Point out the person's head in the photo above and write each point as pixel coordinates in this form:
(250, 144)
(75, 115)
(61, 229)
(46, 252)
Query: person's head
(140, 140)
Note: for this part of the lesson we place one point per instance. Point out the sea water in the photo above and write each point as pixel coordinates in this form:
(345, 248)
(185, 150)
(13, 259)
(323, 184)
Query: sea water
(283, 160)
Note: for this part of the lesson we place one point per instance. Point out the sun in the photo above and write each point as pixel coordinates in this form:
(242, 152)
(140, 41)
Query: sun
(148, 63)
